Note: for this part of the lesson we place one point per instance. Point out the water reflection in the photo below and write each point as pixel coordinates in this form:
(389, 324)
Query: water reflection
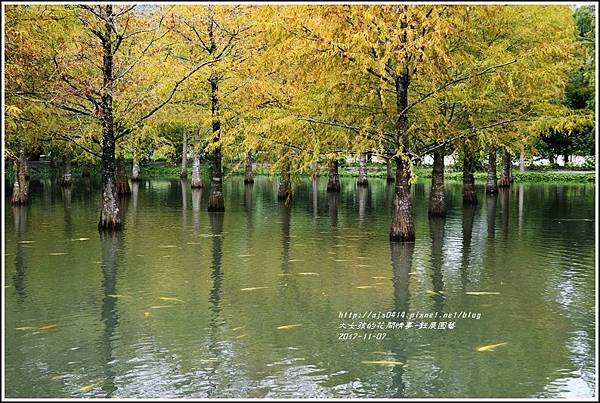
(135, 191)
(111, 243)
(248, 207)
(333, 198)
(467, 235)
(545, 288)
(504, 204)
(183, 183)
(20, 229)
(66, 196)
(315, 195)
(284, 216)
(196, 207)
(216, 320)
(402, 259)
(521, 193)
(490, 203)
(362, 192)
(436, 229)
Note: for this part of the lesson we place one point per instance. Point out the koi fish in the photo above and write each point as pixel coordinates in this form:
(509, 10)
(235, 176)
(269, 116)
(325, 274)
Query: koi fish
(491, 347)
(286, 327)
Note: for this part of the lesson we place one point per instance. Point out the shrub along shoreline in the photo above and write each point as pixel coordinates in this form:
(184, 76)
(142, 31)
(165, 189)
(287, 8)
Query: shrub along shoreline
(422, 172)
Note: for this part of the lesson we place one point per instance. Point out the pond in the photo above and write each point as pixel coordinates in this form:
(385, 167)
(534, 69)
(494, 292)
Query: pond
(309, 300)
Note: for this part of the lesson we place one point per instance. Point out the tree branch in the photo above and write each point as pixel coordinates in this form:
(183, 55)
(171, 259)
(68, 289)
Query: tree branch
(452, 82)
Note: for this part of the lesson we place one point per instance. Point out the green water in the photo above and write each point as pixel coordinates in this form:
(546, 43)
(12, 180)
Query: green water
(230, 281)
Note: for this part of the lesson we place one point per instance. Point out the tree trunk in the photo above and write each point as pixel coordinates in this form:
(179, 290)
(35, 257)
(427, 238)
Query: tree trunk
(284, 192)
(469, 194)
(522, 159)
(196, 178)
(402, 227)
(388, 166)
(506, 170)
(333, 185)
(437, 204)
(492, 178)
(24, 165)
(85, 171)
(215, 200)
(314, 168)
(123, 188)
(183, 173)
(135, 170)
(109, 215)
(66, 179)
(248, 177)
(362, 170)
(20, 186)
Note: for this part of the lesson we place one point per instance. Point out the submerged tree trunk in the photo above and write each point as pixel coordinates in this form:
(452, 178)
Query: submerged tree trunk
(333, 185)
(469, 194)
(135, 170)
(215, 200)
(248, 177)
(437, 204)
(492, 178)
(388, 166)
(183, 172)
(123, 188)
(196, 178)
(402, 227)
(109, 215)
(362, 170)
(66, 178)
(506, 170)
(284, 192)
(20, 186)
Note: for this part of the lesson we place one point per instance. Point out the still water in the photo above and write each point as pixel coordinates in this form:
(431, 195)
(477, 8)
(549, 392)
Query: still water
(183, 303)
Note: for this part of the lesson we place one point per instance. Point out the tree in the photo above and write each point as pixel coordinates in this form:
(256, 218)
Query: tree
(218, 33)
(106, 76)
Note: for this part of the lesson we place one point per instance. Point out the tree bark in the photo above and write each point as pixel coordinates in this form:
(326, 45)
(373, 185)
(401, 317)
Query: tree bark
(522, 159)
(123, 188)
(284, 192)
(437, 204)
(135, 170)
(183, 172)
(492, 178)
(248, 176)
(20, 186)
(66, 178)
(469, 194)
(506, 170)
(402, 227)
(362, 170)
(196, 177)
(333, 185)
(109, 215)
(388, 166)
(24, 164)
(215, 200)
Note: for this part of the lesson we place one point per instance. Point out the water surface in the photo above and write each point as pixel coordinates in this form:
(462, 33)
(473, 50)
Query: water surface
(183, 303)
